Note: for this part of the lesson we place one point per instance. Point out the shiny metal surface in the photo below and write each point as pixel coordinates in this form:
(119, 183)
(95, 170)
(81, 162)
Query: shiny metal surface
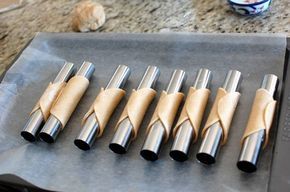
(65, 73)
(182, 142)
(90, 129)
(210, 144)
(88, 134)
(33, 125)
(270, 83)
(50, 130)
(252, 145)
(122, 137)
(232, 81)
(203, 79)
(53, 126)
(177, 79)
(119, 77)
(211, 141)
(151, 147)
(86, 70)
(149, 78)
(153, 141)
(250, 152)
(183, 139)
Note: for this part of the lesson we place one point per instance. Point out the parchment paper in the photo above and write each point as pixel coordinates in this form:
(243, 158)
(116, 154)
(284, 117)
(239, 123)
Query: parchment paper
(63, 167)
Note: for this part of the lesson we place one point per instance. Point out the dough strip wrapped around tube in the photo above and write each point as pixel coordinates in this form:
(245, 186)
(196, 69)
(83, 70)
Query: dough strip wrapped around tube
(216, 129)
(134, 112)
(41, 110)
(66, 103)
(161, 122)
(187, 127)
(260, 120)
(96, 119)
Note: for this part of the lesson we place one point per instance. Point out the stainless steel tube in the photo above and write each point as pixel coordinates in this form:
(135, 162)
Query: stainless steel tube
(185, 134)
(33, 125)
(212, 139)
(122, 136)
(53, 126)
(154, 138)
(252, 145)
(90, 129)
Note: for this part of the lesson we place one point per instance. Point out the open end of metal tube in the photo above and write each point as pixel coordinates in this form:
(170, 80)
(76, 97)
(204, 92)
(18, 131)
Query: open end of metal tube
(149, 155)
(46, 137)
(246, 166)
(117, 148)
(153, 142)
(182, 141)
(178, 155)
(28, 136)
(122, 138)
(205, 158)
(82, 145)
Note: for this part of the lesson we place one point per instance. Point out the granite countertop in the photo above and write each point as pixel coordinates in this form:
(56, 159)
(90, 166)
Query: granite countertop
(19, 26)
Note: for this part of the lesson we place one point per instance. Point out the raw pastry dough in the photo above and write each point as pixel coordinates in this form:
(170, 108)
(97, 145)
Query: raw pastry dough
(166, 110)
(48, 98)
(262, 114)
(136, 108)
(69, 98)
(193, 110)
(104, 105)
(222, 111)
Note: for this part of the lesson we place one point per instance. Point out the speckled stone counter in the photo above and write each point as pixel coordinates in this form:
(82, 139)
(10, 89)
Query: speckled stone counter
(17, 27)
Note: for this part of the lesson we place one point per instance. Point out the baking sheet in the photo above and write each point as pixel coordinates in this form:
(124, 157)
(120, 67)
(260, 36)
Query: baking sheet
(63, 167)
(280, 169)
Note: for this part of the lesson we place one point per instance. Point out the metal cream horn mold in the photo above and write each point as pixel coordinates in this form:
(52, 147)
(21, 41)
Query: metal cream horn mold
(155, 136)
(184, 136)
(252, 145)
(212, 138)
(36, 119)
(53, 126)
(123, 135)
(89, 131)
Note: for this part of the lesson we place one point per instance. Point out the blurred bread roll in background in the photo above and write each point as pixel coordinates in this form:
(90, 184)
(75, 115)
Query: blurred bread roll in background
(88, 16)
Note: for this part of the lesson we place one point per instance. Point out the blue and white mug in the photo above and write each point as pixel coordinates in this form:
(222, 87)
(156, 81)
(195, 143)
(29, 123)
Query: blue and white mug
(249, 7)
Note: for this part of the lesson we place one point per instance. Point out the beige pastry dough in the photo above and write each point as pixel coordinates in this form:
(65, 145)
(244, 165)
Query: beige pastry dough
(136, 108)
(222, 111)
(166, 110)
(193, 110)
(104, 105)
(69, 98)
(262, 114)
(48, 98)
